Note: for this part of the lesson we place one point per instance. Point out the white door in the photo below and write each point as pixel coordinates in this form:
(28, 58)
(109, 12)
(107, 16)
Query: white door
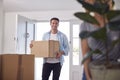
(76, 55)
(25, 33)
(30, 35)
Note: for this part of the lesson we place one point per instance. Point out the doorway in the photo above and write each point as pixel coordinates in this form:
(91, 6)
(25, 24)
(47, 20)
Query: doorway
(25, 33)
(41, 28)
(76, 54)
(72, 68)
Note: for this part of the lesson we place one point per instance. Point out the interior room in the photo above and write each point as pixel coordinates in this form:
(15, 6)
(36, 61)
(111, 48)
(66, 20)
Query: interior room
(24, 20)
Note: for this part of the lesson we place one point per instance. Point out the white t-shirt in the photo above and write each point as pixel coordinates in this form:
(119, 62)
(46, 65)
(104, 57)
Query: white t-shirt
(53, 60)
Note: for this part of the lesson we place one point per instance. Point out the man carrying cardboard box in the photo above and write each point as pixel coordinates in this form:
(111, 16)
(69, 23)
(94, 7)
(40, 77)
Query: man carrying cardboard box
(54, 64)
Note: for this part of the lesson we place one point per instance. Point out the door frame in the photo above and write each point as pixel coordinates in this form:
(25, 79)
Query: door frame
(75, 70)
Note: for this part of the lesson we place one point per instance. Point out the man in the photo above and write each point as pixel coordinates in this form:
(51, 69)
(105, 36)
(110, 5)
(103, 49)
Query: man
(55, 64)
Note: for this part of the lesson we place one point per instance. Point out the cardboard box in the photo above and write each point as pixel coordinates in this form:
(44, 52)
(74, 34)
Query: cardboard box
(17, 67)
(0, 68)
(45, 48)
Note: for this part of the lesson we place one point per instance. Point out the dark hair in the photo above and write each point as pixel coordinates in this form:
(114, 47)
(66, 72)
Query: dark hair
(54, 18)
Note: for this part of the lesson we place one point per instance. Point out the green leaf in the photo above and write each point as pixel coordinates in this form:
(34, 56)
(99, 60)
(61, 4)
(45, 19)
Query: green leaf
(115, 42)
(113, 14)
(114, 25)
(86, 17)
(99, 34)
(97, 7)
(89, 54)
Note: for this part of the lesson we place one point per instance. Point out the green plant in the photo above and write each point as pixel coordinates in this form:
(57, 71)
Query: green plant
(113, 17)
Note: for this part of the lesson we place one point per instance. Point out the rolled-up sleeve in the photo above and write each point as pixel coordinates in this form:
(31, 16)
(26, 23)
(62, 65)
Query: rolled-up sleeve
(64, 45)
(83, 27)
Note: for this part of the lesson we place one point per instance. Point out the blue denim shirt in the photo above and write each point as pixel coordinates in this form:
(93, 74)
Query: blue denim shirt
(64, 46)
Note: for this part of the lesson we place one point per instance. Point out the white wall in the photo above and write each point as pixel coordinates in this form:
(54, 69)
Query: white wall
(10, 33)
(10, 26)
(47, 15)
(117, 4)
(1, 25)
(11, 23)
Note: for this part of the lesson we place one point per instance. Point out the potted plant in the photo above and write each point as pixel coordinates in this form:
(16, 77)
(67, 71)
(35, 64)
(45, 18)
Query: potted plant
(105, 70)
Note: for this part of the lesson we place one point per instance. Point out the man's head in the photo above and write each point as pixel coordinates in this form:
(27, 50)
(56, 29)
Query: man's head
(54, 22)
(54, 18)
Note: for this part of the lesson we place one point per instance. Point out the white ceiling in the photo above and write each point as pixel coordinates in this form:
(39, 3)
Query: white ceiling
(42, 9)
(38, 5)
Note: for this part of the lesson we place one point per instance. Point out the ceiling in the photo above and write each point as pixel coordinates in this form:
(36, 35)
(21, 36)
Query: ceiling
(40, 5)
(40, 9)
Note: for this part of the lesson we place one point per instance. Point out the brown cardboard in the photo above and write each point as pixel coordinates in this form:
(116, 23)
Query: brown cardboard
(45, 48)
(0, 67)
(28, 67)
(9, 67)
(17, 67)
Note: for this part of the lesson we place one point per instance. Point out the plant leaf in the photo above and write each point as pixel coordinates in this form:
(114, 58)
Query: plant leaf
(112, 14)
(115, 42)
(114, 25)
(89, 54)
(86, 17)
(98, 7)
(99, 34)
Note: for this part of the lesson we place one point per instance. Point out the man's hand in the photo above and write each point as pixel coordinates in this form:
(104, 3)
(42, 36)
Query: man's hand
(59, 54)
(31, 45)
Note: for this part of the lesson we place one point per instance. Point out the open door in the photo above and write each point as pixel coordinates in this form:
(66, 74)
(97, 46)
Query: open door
(25, 33)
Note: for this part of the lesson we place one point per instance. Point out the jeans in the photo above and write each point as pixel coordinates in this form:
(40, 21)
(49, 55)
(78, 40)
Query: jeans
(48, 67)
(84, 76)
